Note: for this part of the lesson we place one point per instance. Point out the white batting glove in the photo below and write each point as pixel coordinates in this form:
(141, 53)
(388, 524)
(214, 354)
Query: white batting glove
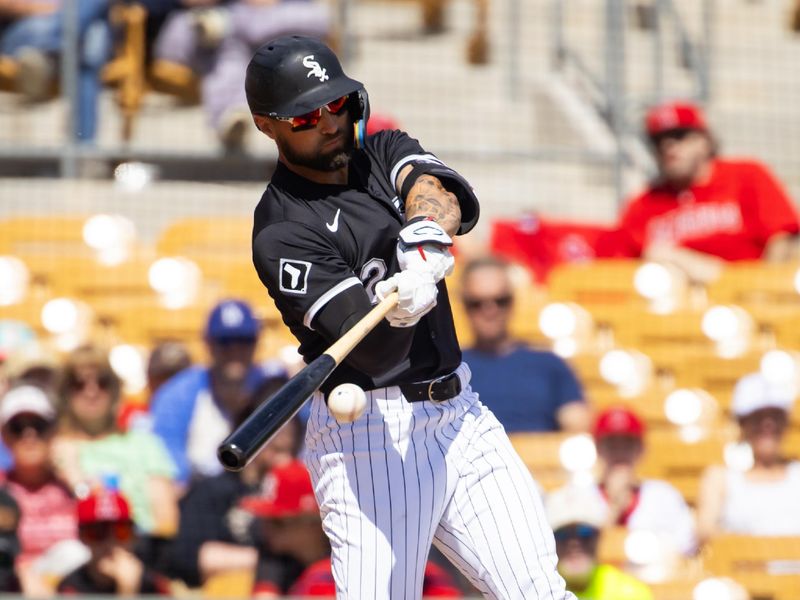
(423, 245)
(417, 296)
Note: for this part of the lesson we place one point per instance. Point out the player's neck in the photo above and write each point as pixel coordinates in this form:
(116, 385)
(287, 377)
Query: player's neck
(337, 177)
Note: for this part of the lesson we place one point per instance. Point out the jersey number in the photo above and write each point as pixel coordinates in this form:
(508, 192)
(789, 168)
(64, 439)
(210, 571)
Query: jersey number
(371, 273)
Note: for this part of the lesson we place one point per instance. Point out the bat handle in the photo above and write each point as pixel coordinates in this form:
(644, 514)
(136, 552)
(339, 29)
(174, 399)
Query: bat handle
(345, 344)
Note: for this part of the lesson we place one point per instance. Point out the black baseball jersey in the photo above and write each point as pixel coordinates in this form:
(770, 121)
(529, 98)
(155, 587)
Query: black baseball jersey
(312, 242)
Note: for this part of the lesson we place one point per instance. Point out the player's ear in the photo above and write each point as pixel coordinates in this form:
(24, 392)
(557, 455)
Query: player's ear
(265, 125)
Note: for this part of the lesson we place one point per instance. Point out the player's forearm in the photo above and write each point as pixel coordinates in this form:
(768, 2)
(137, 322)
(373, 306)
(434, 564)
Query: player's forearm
(429, 198)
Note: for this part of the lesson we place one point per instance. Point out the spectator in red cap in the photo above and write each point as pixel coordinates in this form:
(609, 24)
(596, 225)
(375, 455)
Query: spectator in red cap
(300, 564)
(291, 528)
(702, 209)
(105, 525)
(649, 504)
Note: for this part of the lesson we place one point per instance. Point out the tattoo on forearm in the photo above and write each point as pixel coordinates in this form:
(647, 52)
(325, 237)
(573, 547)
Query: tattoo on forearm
(429, 198)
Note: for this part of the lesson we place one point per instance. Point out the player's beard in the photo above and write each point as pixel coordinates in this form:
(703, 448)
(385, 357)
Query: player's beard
(333, 160)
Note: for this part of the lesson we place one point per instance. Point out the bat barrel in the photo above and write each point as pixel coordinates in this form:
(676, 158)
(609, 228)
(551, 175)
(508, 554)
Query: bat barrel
(258, 429)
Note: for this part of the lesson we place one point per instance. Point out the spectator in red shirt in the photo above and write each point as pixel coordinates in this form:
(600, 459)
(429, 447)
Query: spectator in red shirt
(702, 209)
(48, 519)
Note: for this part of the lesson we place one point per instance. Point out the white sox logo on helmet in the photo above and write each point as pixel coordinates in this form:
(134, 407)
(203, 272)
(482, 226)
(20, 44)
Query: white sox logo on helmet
(314, 68)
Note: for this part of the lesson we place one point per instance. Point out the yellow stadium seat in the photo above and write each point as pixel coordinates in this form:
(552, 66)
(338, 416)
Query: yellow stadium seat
(230, 584)
(650, 332)
(768, 567)
(44, 235)
(755, 284)
(211, 236)
(540, 453)
(668, 456)
(607, 282)
(715, 374)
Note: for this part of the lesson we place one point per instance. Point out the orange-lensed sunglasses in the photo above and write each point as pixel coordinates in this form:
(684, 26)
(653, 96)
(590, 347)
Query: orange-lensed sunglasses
(310, 119)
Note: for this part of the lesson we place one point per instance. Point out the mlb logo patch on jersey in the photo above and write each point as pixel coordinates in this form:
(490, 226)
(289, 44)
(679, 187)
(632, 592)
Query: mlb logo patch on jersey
(294, 276)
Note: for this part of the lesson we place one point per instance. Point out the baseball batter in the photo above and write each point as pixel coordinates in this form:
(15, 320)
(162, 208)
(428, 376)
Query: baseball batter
(345, 221)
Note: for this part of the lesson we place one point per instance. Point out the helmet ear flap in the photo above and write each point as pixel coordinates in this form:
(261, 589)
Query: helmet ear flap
(361, 116)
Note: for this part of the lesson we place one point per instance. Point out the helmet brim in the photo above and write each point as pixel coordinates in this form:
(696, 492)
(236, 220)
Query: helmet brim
(314, 99)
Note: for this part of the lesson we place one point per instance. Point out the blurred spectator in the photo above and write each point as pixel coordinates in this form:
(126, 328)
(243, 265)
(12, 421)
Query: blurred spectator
(33, 364)
(216, 39)
(215, 534)
(28, 363)
(27, 423)
(9, 544)
(292, 530)
(90, 450)
(106, 527)
(291, 526)
(526, 389)
(194, 411)
(764, 498)
(35, 41)
(703, 208)
(638, 504)
(166, 359)
(577, 519)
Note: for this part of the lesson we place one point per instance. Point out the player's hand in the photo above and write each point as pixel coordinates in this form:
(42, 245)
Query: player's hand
(417, 296)
(423, 245)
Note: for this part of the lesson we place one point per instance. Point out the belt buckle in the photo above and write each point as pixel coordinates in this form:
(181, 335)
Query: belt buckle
(431, 384)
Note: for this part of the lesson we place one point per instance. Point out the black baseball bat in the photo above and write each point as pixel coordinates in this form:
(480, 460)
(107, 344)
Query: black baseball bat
(258, 429)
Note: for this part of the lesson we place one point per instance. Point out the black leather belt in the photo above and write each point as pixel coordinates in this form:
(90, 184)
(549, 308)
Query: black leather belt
(437, 390)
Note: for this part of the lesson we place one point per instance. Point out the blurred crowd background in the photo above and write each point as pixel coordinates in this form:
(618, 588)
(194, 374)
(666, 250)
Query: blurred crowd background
(628, 303)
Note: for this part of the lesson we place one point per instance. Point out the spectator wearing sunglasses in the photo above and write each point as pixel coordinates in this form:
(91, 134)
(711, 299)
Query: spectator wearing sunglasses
(577, 520)
(91, 449)
(527, 389)
(703, 210)
(48, 521)
(762, 498)
(106, 526)
(195, 410)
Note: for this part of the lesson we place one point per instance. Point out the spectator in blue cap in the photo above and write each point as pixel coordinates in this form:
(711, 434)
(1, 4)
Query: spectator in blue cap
(194, 410)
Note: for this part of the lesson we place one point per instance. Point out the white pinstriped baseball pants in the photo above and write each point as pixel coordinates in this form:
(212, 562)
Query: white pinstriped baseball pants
(405, 475)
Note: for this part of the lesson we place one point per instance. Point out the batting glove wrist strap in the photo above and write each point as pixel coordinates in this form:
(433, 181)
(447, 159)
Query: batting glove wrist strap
(423, 246)
(417, 296)
(424, 230)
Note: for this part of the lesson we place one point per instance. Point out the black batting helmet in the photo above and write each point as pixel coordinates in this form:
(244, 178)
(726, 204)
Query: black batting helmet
(293, 75)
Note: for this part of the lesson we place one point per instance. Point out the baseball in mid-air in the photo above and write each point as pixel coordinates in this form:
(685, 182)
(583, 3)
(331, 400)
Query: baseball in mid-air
(346, 402)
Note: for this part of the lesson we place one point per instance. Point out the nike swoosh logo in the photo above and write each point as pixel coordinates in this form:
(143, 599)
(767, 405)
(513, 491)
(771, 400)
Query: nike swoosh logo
(334, 227)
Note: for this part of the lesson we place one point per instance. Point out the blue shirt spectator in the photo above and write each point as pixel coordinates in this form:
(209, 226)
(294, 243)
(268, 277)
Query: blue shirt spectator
(526, 389)
(195, 410)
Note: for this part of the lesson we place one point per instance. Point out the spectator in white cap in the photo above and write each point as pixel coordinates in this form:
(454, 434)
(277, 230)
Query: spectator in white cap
(47, 521)
(761, 499)
(577, 519)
